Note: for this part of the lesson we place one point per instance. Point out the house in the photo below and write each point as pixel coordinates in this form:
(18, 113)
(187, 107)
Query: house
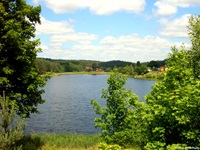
(99, 70)
(89, 69)
(162, 68)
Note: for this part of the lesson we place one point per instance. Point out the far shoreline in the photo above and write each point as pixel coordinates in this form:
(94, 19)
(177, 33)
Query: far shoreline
(83, 72)
(148, 76)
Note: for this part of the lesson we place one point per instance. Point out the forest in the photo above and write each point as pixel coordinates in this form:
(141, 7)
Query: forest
(56, 66)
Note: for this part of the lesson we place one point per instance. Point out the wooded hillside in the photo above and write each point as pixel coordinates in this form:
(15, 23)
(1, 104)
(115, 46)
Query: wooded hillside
(57, 65)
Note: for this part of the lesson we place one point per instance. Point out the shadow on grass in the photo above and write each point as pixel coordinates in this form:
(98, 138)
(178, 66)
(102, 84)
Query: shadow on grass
(31, 142)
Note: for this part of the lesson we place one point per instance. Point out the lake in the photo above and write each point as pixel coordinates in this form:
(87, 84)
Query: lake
(67, 108)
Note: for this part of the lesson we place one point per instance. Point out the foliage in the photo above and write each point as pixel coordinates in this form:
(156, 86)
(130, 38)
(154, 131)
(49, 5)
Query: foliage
(10, 132)
(155, 145)
(57, 66)
(129, 70)
(95, 65)
(18, 74)
(141, 69)
(178, 146)
(194, 33)
(156, 64)
(44, 66)
(114, 117)
(174, 104)
(104, 146)
(114, 63)
(168, 119)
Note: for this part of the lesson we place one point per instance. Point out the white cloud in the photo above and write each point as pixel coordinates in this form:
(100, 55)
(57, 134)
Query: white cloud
(73, 37)
(128, 48)
(169, 7)
(62, 32)
(176, 28)
(99, 7)
(133, 47)
(64, 42)
(164, 9)
(50, 27)
(136, 41)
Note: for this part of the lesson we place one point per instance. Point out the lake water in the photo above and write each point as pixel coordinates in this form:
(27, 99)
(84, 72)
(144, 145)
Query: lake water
(67, 108)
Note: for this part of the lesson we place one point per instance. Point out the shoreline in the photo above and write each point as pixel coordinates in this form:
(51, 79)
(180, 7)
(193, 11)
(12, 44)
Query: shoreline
(148, 76)
(84, 72)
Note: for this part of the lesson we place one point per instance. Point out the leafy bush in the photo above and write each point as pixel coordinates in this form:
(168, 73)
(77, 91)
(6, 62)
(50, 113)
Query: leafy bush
(104, 146)
(114, 118)
(168, 117)
(174, 104)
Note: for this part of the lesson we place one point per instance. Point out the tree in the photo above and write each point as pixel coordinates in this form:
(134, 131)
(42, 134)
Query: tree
(94, 66)
(138, 63)
(156, 64)
(18, 74)
(174, 105)
(194, 33)
(10, 132)
(141, 69)
(129, 70)
(114, 117)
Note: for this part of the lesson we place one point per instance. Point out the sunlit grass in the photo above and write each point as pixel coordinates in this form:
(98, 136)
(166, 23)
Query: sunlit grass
(60, 142)
(152, 75)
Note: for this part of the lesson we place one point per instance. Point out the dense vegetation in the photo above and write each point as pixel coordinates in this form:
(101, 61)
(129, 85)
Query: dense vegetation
(169, 119)
(51, 65)
(20, 81)
(19, 77)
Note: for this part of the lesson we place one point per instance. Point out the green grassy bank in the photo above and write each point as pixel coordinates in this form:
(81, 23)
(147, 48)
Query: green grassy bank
(153, 75)
(60, 142)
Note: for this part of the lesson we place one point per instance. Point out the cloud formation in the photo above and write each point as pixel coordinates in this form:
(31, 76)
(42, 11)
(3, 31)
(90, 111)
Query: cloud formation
(99, 7)
(176, 28)
(51, 27)
(169, 7)
(66, 43)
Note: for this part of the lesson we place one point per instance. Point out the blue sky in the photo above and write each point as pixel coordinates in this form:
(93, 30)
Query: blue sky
(128, 30)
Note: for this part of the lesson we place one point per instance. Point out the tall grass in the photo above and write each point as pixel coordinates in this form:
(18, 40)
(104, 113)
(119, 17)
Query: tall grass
(60, 142)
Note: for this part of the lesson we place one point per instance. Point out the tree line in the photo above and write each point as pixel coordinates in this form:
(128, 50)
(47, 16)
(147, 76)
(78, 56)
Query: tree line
(52, 65)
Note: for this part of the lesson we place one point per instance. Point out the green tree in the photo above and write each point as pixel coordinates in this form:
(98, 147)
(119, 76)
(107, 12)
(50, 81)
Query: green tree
(194, 33)
(18, 74)
(173, 105)
(141, 69)
(129, 70)
(114, 117)
(10, 131)
(94, 66)
(156, 64)
(138, 63)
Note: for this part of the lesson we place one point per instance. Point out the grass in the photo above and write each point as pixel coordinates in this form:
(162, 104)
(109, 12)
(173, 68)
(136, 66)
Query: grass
(153, 75)
(60, 142)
